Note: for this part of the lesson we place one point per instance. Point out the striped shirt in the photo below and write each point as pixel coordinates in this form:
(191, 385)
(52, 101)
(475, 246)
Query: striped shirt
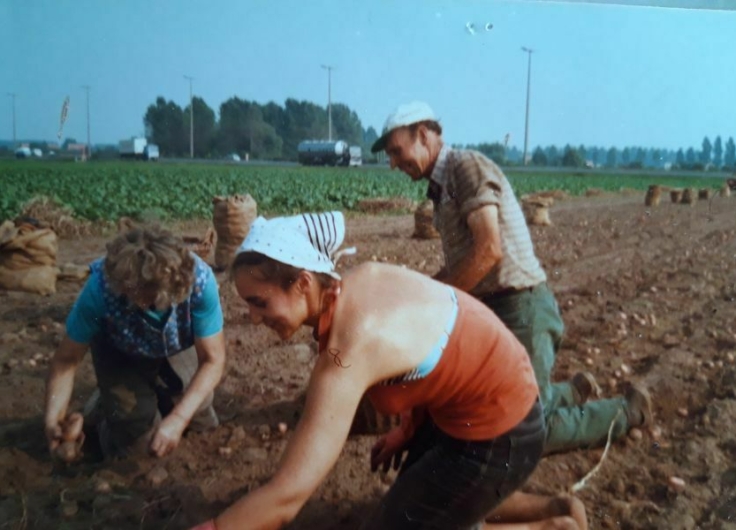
(463, 181)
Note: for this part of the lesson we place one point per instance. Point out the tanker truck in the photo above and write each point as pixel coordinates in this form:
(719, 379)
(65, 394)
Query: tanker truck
(323, 153)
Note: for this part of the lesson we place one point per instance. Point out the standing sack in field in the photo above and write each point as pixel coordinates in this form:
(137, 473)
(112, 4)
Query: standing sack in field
(654, 193)
(28, 258)
(536, 210)
(232, 218)
(423, 227)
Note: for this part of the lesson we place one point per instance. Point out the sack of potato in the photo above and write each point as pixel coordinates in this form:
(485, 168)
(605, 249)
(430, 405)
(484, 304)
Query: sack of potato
(232, 217)
(28, 257)
(423, 226)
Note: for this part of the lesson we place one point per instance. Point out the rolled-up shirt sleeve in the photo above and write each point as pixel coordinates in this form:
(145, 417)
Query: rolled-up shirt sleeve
(207, 313)
(476, 182)
(85, 318)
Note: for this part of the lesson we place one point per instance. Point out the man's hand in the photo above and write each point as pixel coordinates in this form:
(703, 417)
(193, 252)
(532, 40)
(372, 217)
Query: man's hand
(389, 447)
(168, 435)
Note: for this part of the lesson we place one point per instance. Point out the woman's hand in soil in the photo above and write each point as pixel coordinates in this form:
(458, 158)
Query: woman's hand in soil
(54, 436)
(389, 447)
(168, 434)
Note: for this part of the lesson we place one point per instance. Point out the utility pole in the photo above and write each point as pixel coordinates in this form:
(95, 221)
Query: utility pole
(329, 100)
(191, 118)
(528, 51)
(12, 96)
(89, 143)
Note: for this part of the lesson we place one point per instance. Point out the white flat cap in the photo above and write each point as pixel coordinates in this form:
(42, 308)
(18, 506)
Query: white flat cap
(406, 114)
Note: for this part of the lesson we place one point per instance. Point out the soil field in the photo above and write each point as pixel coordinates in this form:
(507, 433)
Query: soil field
(647, 294)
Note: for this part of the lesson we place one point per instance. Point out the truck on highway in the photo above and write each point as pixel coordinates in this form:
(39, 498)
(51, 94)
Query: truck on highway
(356, 156)
(138, 148)
(323, 153)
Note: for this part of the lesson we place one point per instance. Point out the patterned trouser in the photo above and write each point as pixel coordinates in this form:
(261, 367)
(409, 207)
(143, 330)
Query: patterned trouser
(534, 318)
(133, 395)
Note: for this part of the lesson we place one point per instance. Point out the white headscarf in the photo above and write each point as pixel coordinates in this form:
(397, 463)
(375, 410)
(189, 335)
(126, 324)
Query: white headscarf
(308, 241)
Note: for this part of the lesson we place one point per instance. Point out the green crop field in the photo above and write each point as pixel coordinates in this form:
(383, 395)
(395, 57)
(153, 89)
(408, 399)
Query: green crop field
(108, 190)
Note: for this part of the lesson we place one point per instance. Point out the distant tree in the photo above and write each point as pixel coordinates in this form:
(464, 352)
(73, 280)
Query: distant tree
(705, 154)
(611, 157)
(553, 156)
(495, 151)
(204, 127)
(626, 156)
(538, 157)
(641, 154)
(242, 130)
(729, 159)
(572, 157)
(369, 137)
(346, 124)
(164, 125)
(718, 153)
(275, 115)
(305, 121)
(656, 157)
(680, 157)
(595, 156)
(583, 152)
(513, 155)
(690, 156)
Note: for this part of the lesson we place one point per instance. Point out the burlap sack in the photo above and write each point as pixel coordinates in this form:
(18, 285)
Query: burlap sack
(28, 258)
(652, 198)
(202, 247)
(232, 217)
(536, 210)
(423, 227)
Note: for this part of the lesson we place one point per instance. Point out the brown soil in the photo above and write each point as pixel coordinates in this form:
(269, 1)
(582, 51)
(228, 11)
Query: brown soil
(646, 294)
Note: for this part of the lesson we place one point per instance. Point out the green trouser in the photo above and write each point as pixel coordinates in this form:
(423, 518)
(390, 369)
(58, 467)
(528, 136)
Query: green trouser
(534, 317)
(134, 394)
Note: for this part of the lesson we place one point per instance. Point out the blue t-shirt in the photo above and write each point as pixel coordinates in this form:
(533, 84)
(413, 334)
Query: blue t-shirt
(85, 319)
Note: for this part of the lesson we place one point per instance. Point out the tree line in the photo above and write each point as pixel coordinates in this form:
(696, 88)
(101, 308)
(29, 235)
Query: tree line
(272, 132)
(713, 156)
(269, 131)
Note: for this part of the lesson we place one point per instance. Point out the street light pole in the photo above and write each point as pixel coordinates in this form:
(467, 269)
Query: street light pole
(89, 143)
(191, 118)
(329, 100)
(12, 95)
(528, 51)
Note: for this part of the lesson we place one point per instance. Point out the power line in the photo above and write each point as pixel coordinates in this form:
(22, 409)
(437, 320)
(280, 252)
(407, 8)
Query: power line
(191, 117)
(329, 99)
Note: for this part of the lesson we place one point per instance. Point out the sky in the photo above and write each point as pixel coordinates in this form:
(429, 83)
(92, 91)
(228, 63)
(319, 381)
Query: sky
(601, 74)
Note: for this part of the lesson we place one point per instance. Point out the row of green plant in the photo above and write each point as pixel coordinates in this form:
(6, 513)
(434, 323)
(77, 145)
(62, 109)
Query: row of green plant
(106, 191)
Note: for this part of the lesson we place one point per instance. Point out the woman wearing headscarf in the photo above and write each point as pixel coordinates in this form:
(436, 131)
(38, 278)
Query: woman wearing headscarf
(150, 314)
(472, 428)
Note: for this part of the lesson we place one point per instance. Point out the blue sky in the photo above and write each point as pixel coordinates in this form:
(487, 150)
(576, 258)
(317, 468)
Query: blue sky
(601, 74)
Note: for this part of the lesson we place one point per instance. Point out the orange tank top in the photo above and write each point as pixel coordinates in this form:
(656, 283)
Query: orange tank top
(482, 386)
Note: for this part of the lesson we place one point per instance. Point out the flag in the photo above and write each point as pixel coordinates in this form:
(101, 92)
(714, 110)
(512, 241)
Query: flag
(64, 113)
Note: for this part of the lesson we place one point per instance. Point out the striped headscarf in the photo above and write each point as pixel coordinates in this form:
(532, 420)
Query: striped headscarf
(309, 241)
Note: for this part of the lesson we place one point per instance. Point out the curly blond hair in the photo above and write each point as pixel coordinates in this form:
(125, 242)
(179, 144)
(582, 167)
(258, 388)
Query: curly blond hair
(150, 263)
